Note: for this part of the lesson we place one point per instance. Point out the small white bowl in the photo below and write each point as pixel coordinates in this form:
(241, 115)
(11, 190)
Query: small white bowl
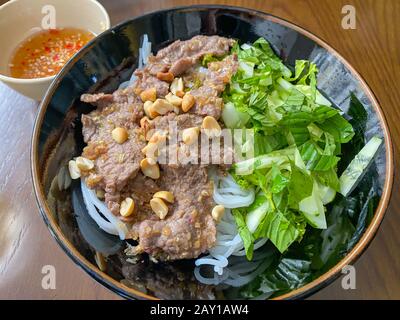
(21, 18)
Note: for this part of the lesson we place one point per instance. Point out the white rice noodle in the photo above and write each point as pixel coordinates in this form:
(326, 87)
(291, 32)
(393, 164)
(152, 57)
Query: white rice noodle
(222, 258)
(235, 274)
(94, 205)
(229, 194)
(144, 53)
(227, 258)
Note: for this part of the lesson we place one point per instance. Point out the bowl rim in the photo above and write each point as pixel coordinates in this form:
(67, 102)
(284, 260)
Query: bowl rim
(9, 79)
(302, 292)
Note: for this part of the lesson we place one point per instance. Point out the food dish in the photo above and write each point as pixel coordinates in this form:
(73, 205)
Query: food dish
(234, 84)
(23, 18)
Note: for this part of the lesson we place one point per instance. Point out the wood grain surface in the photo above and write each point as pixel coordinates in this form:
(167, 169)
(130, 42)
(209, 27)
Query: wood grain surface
(373, 48)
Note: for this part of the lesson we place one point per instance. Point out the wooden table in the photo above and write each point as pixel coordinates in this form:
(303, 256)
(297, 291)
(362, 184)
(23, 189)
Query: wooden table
(373, 49)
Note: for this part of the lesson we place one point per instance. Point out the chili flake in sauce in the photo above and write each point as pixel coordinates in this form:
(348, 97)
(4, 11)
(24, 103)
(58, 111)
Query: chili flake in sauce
(45, 52)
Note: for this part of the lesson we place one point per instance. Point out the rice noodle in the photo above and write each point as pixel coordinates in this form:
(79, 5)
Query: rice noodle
(94, 205)
(229, 194)
(227, 259)
(144, 53)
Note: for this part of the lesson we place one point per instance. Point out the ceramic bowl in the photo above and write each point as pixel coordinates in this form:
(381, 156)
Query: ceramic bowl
(19, 19)
(110, 59)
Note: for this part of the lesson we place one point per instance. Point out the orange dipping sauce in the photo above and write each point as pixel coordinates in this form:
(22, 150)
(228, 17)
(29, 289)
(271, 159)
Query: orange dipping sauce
(45, 53)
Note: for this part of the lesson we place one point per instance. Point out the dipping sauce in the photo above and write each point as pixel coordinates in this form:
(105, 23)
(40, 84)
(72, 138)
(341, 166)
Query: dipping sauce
(44, 53)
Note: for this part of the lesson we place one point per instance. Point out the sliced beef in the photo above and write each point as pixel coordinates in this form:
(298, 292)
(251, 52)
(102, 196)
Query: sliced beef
(183, 121)
(141, 190)
(145, 80)
(181, 66)
(115, 164)
(178, 58)
(181, 55)
(188, 230)
(213, 79)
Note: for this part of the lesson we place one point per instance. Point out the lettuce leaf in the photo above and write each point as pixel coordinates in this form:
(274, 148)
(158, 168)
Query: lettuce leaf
(298, 137)
(279, 229)
(245, 234)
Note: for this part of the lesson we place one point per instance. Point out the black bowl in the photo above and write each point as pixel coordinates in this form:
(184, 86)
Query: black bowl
(110, 59)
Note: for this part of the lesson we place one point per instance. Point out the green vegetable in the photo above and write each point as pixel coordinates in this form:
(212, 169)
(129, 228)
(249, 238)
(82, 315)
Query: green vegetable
(279, 229)
(298, 137)
(257, 212)
(234, 118)
(245, 234)
(207, 59)
(356, 169)
(301, 142)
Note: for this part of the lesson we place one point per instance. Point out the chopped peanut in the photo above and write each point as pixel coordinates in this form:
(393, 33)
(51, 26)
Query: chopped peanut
(211, 127)
(161, 106)
(151, 150)
(187, 102)
(149, 95)
(148, 110)
(190, 135)
(159, 207)
(74, 171)
(180, 93)
(158, 137)
(120, 135)
(217, 212)
(173, 99)
(165, 195)
(149, 168)
(127, 207)
(165, 76)
(84, 164)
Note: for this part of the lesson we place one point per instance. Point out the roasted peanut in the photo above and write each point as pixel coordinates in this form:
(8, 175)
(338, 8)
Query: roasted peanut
(180, 94)
(190, 135)
(158, 137)
(161, 106)
(147, 107)
(151, 150)
(84, 164)
(120, 135)
(149, 95)
(211, 127)
(74, 171)
(165, 76)
(176, 85)
(159, 207)
(165, 195)
(217, 212)
(187, 102)
(152, 161)
(149, 168)
(127, 207)
(173, 99)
